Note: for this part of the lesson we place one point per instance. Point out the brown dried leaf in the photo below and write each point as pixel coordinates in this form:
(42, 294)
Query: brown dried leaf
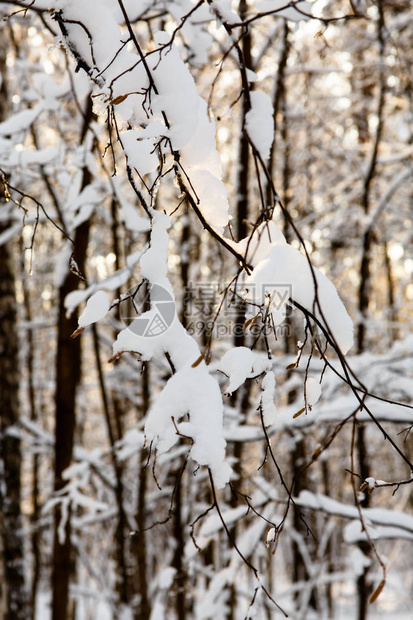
(119, 99)
(77, 331)
(115, 357)
(377, 591)
(245, 327)
(250, 323)
(198, 361)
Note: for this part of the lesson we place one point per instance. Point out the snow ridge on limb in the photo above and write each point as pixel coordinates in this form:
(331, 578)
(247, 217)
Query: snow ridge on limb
(191, 390)
(277, 265)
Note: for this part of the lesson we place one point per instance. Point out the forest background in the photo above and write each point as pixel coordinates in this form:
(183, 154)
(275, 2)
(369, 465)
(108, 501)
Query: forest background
(189, 428)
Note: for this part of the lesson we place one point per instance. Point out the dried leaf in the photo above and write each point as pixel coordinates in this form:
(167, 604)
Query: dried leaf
(299, 413)
(198, 361)
(317, 452)
(250, 323)
(291, 366)
(115, 357)
(377, 591)
(77, 331)
(118, 100)
(245, 327)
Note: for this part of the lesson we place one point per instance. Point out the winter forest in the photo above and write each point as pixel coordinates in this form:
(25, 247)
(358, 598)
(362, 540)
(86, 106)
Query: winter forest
(206, 309)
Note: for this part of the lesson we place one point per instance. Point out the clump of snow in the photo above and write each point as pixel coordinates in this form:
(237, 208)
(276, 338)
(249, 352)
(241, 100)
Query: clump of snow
(99, 17)
(75, 298)
(251, 75)
(259, 123)
(286, 266)
(61, 269)
(241, 363)
(141, 151)
(237, 365)
(284, 9)
(358, 561)
(191, 131)
(194, 392)
(178, 96)
(132, 220)
(271, 536)
(313, 391)
(166, 578)
(131, 442)
(82, 207)
(28, 157)
(201, 161)
(96, 309)
(153, 262)
(194, 30)
(21, 121)
(213, 600)
(173, 111)
(224, 10)
(279, 268)
(191, 391)
(257, 247)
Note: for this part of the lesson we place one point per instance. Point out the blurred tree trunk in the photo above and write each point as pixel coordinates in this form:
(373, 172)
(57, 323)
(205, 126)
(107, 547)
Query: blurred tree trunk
(13, 596)
(364, 586)
(178, 561)
(11, 524)
(241, 399)
(68, 374)
(391, 297)
(31, 398)
(365, 284)
(139, 540)
(120, 551)
(278, 98)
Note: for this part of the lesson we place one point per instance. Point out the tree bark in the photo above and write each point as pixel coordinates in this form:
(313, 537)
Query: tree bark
(68, 373)
(364, 587)
(139, 542)
(30, 367)
(241, 398)
(13, 595)
(11, 522)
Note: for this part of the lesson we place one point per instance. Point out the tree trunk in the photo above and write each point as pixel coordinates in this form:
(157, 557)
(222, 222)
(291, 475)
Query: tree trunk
(241, 398)
(120, 554)
(139, 541)
(31, 381)
(364, 588)
(10, 454)
(68, 373)
(13, 594)
(67, 380)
